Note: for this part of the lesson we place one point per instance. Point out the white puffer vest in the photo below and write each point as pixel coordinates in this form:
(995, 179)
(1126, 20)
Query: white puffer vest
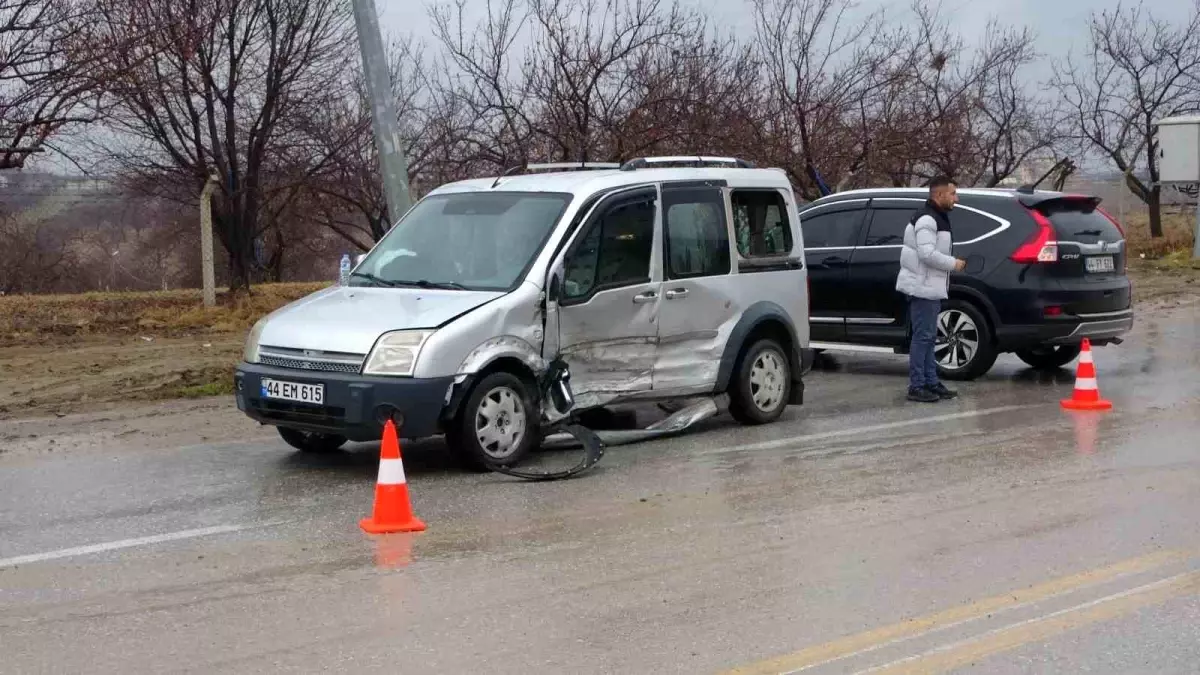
(925, 259)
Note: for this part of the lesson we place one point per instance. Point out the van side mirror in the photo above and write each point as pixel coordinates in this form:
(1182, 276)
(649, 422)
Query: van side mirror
(554, 287)
(359, 258)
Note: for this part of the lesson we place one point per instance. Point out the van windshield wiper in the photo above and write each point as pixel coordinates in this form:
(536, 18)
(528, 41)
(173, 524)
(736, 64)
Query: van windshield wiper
(374, 279)
(442, 285)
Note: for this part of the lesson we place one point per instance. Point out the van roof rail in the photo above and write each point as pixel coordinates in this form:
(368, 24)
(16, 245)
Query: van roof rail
(556, 166)
(686, 160)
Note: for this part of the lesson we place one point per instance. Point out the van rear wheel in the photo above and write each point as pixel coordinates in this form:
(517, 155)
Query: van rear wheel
(761, 384)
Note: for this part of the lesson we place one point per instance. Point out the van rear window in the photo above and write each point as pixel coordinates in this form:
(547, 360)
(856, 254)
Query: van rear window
(1080, 222)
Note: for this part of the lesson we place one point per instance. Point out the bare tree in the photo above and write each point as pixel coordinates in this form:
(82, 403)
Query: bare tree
(824, 72)
(968, 113)
(699, 93)
(45, 80)
(582, 69)
(347, 196)
(1139, 68)
(34, 255)
(488, 82)
(224, 87)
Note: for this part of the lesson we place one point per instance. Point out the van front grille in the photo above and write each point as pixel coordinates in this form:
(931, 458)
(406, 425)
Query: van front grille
(313, 361)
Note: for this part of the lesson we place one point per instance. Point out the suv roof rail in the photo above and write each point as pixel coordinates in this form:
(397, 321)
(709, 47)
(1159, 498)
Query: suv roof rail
(556, 166)
(687, 160)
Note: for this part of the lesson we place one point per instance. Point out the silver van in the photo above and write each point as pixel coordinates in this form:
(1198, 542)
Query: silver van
(658, 279)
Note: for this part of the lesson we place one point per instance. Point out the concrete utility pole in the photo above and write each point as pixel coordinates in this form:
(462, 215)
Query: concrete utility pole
(1196, 236)
(206, 241)
(392, 164)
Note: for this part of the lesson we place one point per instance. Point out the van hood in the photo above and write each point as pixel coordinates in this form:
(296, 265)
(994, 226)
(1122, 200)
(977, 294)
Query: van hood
(350, 319)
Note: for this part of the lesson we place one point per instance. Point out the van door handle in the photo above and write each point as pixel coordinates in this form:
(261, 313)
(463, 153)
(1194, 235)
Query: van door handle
(677, 293)
(643, 298)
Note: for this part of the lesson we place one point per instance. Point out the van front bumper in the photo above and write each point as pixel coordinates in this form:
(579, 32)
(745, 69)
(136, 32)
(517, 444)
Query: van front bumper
(354, 406)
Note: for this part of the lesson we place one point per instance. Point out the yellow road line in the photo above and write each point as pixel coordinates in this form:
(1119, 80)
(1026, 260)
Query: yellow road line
(878, 638)
(1042, 628)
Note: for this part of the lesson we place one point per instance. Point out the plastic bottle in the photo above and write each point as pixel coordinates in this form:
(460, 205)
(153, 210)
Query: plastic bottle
(344, 270)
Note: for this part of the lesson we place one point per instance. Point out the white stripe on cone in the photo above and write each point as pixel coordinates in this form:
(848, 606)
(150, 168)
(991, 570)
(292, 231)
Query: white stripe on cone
(1084, 383)
(1086, 356)
(391, 472)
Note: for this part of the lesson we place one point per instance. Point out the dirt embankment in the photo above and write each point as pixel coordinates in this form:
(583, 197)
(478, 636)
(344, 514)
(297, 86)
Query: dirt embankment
(63, 354)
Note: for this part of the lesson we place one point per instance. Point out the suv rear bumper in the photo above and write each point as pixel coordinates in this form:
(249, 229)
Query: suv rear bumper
(1098, 328)
(354, 405)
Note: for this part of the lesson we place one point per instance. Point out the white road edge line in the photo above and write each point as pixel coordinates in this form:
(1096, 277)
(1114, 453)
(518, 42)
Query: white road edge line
(126, 543)
(886, 426)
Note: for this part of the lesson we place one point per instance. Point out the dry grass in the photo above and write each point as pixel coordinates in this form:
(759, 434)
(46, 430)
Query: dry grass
(73, 352)
(1162, 267)
(1178, 234)
(64, 318)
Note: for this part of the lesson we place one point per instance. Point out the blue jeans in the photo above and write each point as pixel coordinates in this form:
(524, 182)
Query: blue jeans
(922, 365)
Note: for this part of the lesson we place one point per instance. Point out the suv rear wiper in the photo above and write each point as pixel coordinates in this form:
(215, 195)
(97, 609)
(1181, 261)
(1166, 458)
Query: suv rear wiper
(374, 279)
(1091, 233)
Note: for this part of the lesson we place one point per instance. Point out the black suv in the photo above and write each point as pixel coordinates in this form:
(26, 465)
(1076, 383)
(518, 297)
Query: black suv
(1044, 270)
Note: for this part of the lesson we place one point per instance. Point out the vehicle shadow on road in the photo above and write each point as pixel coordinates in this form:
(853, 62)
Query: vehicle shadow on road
(427, 457)
(1047, 377)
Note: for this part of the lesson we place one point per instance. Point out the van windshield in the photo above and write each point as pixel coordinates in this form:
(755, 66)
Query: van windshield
(463, 241)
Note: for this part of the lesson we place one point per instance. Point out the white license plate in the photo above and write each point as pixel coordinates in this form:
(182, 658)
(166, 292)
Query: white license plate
(294, 391)
(1100, 263)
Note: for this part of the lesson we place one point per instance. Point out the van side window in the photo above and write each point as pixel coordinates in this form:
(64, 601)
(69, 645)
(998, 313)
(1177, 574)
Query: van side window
(760, 219)
(697, 232)
(613, 252)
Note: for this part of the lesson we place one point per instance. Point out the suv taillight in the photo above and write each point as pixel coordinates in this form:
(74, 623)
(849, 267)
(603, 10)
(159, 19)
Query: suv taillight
(1113, 221)
(1041, 247)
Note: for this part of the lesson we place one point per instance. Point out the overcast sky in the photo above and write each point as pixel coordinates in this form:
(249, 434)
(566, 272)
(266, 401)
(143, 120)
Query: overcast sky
(1060, 24)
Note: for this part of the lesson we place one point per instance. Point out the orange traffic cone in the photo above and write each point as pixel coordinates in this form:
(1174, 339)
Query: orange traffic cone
(1087, 392)
(393, 512)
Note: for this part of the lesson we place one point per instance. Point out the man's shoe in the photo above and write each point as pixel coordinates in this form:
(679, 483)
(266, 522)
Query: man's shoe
(942, 392)
(922, 395)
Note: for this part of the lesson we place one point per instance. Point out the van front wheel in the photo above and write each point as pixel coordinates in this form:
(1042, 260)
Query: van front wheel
(498, 424)
(761, 385)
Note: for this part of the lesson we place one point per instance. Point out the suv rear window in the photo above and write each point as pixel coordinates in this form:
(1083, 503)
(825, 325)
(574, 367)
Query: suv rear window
(1080, 222)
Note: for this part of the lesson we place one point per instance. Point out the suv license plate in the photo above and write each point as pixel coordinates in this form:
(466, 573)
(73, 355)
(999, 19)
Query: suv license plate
(294, 391)
(1100, 263)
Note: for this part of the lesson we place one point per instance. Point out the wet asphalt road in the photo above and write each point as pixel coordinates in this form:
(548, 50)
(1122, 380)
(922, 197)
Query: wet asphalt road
(995, 532)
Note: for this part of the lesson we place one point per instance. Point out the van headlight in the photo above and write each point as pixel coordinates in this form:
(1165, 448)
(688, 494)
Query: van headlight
(396, 353)
(250, 350)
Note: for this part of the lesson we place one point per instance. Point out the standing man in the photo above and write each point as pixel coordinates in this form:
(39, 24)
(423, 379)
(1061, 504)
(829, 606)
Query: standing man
(925, 267)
